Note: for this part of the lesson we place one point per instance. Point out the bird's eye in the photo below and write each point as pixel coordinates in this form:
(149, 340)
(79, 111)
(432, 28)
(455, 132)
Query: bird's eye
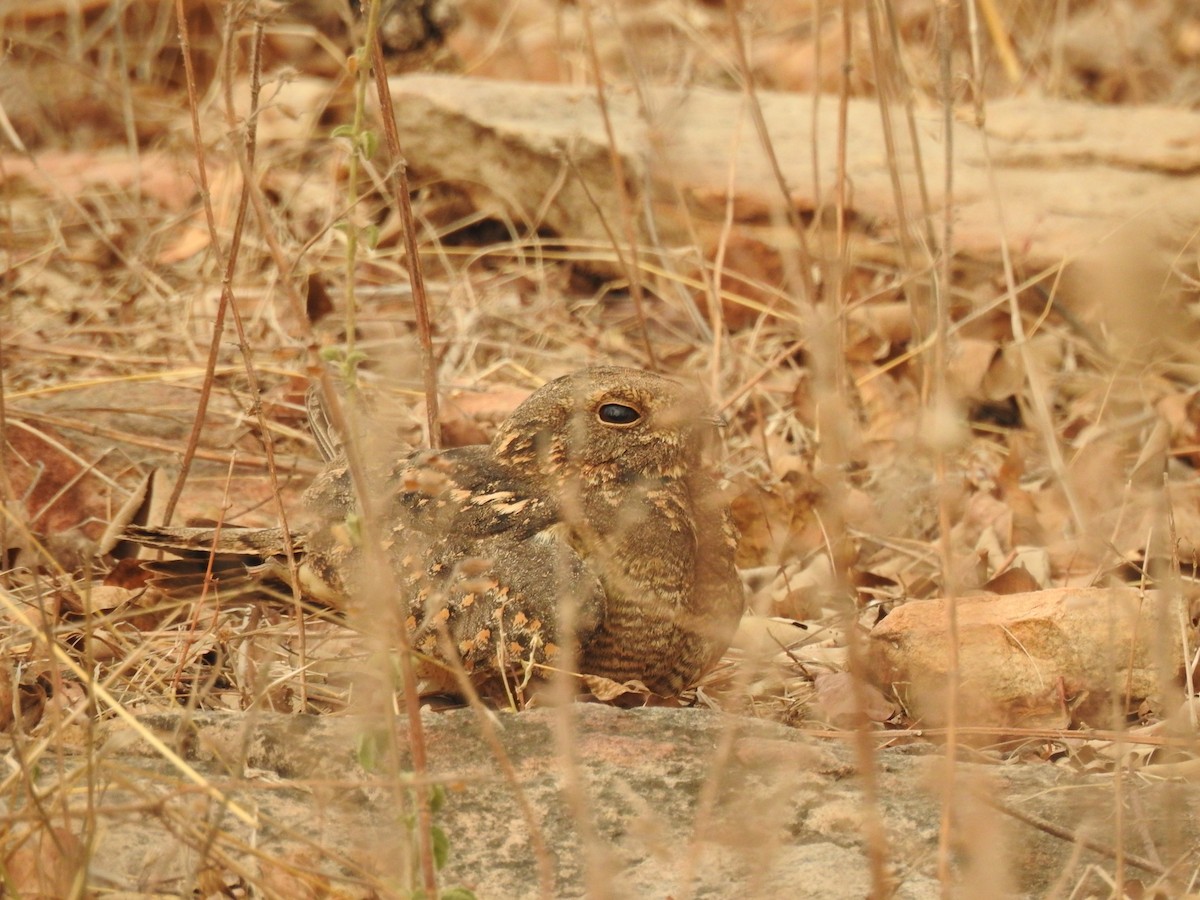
(617, 414)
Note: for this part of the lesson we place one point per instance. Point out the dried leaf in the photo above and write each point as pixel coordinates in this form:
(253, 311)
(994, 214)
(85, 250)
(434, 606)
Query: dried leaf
(469, 417)
(884, 326)
(45, 863)
(606, 690)
(131, 511)
(762, 636)
(836, 700)
(1013, 580)
(317, 302)
(296, 875)
(969, 365)
(6, 697)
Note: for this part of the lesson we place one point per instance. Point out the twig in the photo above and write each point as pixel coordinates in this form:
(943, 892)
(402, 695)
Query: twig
(190, 633)
(398, 177)
(246, 153)
(941, 401)
(18, 614)
(805, 261)
(6, 486)
(620, 185)
(412, 707)
(137, 440)
(226, 297)
(1073, 837)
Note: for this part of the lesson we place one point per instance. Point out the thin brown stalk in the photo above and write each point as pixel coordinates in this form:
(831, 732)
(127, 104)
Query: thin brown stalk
(841, 182)
(832, 522)
(189, 638)
(375, 557)
(398, 178)
(892, 87)
(706, 804)
(246, 153)
(375, 561)
(804, 262)
(6, 278)
(818, 15)
(945, 525)
(189, 71)
(1107, 850)
(713, 330)
(1003, 43)
(135, 440)
(903, 86)
(123, 69)
(6, 487)
(630, 265)
(1042, 416)
(716, 310)
(597, 880)
(226, 296)
(878, 850)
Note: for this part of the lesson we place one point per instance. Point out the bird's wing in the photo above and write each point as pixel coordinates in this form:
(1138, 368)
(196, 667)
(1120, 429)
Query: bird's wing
(463, 492)
(328, 441)
(229, 541)
(503, 602)
(238, 560)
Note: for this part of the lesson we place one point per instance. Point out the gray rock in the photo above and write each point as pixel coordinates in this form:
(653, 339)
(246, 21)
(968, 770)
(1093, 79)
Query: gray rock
(646, 803)
(1069, 175)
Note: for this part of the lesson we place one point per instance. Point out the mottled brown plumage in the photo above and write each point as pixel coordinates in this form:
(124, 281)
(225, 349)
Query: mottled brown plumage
(591, 517)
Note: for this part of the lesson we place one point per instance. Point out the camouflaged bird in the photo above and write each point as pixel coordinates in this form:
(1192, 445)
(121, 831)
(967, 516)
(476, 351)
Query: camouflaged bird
(591, 517)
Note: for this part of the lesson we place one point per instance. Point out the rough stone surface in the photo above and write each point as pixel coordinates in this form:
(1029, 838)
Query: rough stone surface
(1054, 179)
(1052, 658)
(677, 802)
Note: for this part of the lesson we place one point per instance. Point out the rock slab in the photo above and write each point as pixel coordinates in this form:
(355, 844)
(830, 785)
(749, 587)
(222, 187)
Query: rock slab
(1055, 658)
(652, 802)
(1053, 179)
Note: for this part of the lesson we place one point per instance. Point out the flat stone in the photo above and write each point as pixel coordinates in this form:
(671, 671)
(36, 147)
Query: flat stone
(1052, 658)
(651, 802)
(1053, 179)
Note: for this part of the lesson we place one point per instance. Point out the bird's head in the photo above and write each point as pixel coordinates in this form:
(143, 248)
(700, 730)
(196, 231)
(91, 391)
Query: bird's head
(612, 421)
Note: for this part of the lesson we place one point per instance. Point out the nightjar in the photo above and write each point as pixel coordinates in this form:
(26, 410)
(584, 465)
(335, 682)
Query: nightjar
(591, 518)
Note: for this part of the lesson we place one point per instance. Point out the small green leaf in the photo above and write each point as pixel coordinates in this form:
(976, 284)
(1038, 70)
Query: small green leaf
(343, 131)
(370, 748)
(441, 846)
(457, 893)
(437, 798)
(370, 234)
(350, 363)
(354, 526)
(368, 143)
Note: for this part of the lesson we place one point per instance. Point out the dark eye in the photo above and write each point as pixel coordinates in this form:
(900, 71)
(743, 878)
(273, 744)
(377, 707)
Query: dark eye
(618, 414)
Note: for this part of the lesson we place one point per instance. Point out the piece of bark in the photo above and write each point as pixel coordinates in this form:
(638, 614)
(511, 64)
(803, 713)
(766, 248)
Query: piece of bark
(1049, 658)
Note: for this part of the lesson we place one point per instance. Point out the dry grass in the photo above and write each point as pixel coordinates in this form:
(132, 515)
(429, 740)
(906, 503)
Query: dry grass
(872, 458)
